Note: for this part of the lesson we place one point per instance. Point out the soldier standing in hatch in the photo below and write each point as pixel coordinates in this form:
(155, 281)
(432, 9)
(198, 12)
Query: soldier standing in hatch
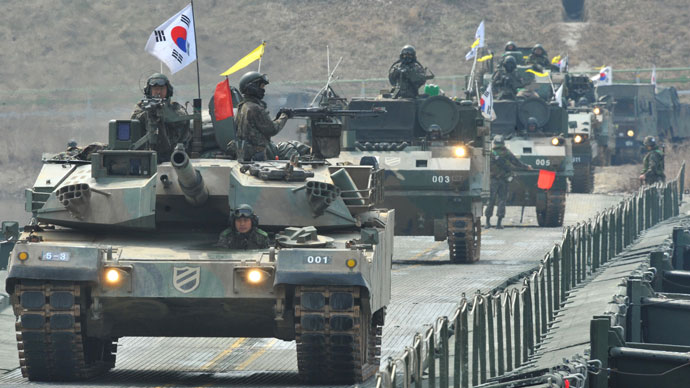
(505, 80)
(538, 58)
(503, 163)
(244, 232)
(407, 75)
(254, 126)
(653, 163)
(169, 133)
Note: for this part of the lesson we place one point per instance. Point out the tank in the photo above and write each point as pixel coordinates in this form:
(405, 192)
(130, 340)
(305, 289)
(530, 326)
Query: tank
(434, 153)
(121, 245)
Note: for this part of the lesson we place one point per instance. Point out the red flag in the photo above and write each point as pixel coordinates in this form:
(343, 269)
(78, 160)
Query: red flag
(546, 179)
(222, 101)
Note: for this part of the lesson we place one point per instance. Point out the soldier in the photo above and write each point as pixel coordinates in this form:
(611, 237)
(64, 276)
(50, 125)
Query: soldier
(533, 127)
(538, 58)
(510, 47)
(407, 75)
(170, 131)
(254, 126)
(653, 163)
(505, 80)
(244, 232)
(503, 163)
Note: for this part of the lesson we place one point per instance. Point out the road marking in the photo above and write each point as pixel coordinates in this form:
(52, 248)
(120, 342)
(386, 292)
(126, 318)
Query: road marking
(418, 255)
(224, 353)
(256, 355)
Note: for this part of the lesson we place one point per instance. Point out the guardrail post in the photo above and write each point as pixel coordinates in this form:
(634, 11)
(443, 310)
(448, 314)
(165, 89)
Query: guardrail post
(417, 341)
(431, 356)
(498, 308)
(491, 339)
(517, 329)
(536, 305)
(508, 316)
(445, 353)
(482, 339)
(550, 297)
(681, 183)
(590, 245)
(527, 316)
(565, 263)
(461, 369)
(619, 229)
(578, 255)
(612, 234)
(542, 302)
(596, 245)
(557, 294)
(476, 333)
(604, 238)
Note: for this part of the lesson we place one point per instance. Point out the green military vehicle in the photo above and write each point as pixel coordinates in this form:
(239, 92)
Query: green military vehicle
(121, 245)
(634, 111)
(434, 152)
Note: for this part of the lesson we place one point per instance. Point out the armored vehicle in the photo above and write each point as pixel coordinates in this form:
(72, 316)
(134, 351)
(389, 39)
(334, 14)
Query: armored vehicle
(634, 111)
(121, 245)
(673, 116)
(434, 152)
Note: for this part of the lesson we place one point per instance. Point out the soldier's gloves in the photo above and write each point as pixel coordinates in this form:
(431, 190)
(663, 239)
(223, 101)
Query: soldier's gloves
(286, 112)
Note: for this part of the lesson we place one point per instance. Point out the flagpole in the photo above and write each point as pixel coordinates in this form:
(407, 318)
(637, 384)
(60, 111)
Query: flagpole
(263, 42)
(196, 52)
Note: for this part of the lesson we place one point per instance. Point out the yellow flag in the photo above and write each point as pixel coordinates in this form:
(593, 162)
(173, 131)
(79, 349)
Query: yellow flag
(475, 44)
(600, 67)
(538, 74)
(555, 59)
(247, 60)
(485, 58)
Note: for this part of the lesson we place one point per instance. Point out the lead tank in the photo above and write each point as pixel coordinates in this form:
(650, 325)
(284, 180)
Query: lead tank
(121, 245)
(434, 153)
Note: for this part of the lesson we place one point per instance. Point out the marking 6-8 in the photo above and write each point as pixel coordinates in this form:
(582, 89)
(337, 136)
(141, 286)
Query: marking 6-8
(542, 162)
(440, 179)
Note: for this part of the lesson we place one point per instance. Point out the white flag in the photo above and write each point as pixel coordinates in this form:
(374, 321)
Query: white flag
(559, 96)
(478, 42)
(605, 77)
(173, 42)
(487, 104)
(654, 76)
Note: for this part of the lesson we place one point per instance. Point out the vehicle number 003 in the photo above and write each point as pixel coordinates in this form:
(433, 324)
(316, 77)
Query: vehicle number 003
(440, 179)
(317, 260)
(542, 162)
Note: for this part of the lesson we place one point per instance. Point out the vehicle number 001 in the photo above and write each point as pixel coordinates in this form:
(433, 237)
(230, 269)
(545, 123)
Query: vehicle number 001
(542, 162)
(317, 260)
(440, 179)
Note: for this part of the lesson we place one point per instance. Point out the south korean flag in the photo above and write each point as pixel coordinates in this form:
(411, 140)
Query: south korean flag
(173, 42)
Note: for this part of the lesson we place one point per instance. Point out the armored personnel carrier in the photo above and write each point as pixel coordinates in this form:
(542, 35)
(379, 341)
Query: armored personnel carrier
(434, 153)
(121, 245)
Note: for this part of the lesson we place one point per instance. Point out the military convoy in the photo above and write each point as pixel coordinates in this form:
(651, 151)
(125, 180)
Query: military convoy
(121, 245)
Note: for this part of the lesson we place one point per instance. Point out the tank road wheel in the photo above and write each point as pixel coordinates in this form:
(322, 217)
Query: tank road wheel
(464, 238)
(550, 212)
(337, 339)
(50, 336)
(583, 179)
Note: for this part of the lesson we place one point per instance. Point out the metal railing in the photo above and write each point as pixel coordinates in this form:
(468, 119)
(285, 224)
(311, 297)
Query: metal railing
(497, 332)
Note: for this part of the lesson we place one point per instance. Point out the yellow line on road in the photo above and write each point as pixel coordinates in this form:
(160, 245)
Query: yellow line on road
(418, 255)
(256, 355)
(224, 353)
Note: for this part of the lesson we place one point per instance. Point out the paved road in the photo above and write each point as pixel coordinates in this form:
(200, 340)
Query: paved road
(425, 286)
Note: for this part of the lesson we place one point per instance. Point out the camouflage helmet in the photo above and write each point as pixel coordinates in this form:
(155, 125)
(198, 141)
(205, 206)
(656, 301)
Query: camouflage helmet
(72, 143)
(251, 82)
(538, 47)
(408, 52)
(649, 141)
(532, 121)
(498, 141)
(509, 63)
(510, 46)
(583, 101)
(244, 210)
(157, 79)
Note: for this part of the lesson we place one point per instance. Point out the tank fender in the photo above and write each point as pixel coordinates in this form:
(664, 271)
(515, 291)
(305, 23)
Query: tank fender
(45, 262)
(299, 267)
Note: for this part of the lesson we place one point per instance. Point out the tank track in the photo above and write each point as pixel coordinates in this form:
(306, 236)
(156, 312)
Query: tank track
(337, 339)
(51, 343)
(583, 180)
(551, 213)
(464, 238)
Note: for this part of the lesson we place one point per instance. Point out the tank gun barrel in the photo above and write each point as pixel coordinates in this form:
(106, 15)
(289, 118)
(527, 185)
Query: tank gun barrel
(190, 180)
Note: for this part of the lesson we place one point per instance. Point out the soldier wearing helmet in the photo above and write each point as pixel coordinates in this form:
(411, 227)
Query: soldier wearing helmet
(505, 80)
(510, 47)
(653, 162)
(158, 114)
(254, 125)
(503, 166)
(407, 75)
(243, 232)
(533, 126)
(538, 58)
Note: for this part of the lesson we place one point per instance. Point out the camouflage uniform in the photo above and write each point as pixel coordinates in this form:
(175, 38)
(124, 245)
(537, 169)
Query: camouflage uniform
(407, 75)
(539, 61)
(505, 84)
(503, 163)
(169, 134)
(653, 166)
(255, 127)
(254, 239)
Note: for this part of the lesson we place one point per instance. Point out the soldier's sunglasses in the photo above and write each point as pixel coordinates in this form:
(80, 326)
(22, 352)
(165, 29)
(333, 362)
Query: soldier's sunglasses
(157, 82)
(239, 213)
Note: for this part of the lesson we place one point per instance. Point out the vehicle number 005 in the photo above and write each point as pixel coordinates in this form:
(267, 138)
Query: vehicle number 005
(317, 260)
(542, 162)
(440, 179)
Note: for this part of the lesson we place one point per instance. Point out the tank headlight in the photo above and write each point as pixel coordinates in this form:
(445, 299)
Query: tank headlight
(630, 133)
(555, 141)
(351, 263)
(596, 110)
(23, 256)
(578, 139)
(460, 152)
(112, 276)
(254, 276)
